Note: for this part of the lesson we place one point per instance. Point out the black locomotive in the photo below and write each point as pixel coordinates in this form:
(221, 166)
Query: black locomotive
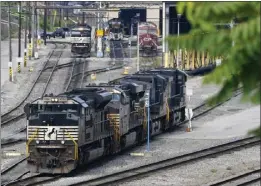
(79, 126)
(116, 29)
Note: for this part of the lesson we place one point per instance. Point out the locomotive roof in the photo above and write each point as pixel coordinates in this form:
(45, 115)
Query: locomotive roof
(147, 24)
(89, 96)
(144, 76)
(82, 26)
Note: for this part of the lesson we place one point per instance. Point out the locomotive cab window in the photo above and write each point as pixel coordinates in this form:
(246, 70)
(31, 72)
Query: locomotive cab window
(34, 109)
(116, 97)
(54, 108)
(83, 33)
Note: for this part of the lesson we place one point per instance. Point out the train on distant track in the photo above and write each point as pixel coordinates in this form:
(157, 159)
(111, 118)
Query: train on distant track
(81, 40)
(116, 29)
(148, 38)
(77, 127)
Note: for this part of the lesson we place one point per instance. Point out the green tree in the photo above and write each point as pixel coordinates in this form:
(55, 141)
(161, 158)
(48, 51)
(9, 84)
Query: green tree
(241, 61)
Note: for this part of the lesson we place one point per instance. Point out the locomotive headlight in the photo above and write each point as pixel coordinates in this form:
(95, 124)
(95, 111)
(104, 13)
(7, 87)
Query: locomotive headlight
(52, 99)
(56, 99)
(37, 142)
(62, 142)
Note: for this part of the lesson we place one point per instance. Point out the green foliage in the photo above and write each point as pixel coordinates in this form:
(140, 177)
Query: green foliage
(11, 3)
(241, 62)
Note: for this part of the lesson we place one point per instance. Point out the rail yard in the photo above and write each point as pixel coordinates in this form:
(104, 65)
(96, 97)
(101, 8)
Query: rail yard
(102, 101)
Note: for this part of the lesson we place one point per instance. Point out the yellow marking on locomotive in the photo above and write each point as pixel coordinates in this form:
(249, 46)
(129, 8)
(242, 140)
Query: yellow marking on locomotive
(29, 141)
(75, 143)
(167, 106)
(115, 120)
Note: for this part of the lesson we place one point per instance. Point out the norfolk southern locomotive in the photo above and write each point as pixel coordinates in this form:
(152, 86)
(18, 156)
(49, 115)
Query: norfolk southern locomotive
(81, 40)
(79, 126)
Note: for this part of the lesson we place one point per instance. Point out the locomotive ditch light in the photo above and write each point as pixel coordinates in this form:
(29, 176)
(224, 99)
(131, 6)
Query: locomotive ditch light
(62, 142)
(37, 141)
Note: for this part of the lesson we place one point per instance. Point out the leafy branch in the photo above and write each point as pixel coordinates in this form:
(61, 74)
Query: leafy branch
(240, 61)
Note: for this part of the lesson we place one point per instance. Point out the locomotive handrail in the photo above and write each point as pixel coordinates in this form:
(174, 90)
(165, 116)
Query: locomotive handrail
(29, 141)
(75, 143)
(167, 106)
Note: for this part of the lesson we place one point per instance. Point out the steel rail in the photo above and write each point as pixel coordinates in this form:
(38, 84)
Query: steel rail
(5, 117)
(150, 168)
(145, 170)
(89, 72)
(236, 178)
(83, 70)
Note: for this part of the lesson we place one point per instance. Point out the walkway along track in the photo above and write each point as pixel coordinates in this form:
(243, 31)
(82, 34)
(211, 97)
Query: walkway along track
(245, 178)
(198, 114)
(44, 77)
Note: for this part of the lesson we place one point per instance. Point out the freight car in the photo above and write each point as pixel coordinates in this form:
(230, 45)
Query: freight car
(79, 126)
(81, 40)
(148, 38)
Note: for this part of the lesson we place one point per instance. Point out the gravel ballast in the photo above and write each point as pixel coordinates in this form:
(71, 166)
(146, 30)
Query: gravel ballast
(171, 141)
(178, 142)
(13, 92)
(203, 172)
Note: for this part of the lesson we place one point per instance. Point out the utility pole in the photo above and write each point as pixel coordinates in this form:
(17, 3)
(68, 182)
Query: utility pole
(30, 32)
(45, 23)
(98, 20)
(147, 104)
(19, 59)
(25, 35)
(38, 29)
(178, 52)
(36, 47)
(164, 35)
(138, 48)
(10, 64)
(33, 30)
(60, 17)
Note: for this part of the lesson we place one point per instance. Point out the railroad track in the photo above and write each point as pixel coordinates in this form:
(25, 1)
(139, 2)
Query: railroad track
(148, 169)
(204, 108)
(32, 180)
(117, 51)
(44, 77)
(201, 110)
(151, 168)
(245, 178)
(76, 80)
(38, 89)
(147, 63)
(82, 74)
(78, 70)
